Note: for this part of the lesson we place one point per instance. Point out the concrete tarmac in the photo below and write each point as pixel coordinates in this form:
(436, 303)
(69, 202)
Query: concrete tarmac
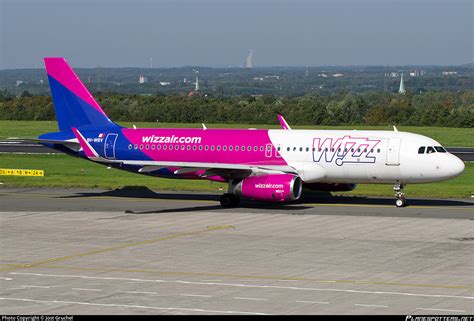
(78, 251)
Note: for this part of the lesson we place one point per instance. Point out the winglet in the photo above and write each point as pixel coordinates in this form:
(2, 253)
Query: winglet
(86, 147)
(283, 123)
(395, 128)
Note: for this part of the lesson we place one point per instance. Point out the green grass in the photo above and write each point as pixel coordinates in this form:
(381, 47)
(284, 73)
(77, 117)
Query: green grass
(66, 171)
(449, 137)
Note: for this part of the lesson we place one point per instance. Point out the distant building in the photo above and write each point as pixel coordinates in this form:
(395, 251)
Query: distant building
(19, 82)
(142, 79)
(258, 78)
(401, 90)
(249, 60)
(165, 83)
(337, 75)
(272, 77)
(394, 74)
(449, 73)
(417, 73)
(323, 75)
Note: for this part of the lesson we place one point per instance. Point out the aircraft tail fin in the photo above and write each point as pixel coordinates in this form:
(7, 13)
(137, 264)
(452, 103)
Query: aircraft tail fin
(73, 103)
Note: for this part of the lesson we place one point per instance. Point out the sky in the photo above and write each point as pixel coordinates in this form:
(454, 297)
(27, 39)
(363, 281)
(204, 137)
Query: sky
(126, 33)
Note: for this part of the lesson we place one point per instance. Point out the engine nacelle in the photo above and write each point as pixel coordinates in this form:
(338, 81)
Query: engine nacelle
(271, 187)
(331, 187)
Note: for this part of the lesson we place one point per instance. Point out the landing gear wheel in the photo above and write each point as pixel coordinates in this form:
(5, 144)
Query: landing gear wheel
(401, 201)
(229, 200)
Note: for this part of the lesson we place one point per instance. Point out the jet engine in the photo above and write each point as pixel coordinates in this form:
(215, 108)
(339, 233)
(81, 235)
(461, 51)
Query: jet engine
(271, 187)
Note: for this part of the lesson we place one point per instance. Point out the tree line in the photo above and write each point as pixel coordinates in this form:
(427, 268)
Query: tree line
(440, 108)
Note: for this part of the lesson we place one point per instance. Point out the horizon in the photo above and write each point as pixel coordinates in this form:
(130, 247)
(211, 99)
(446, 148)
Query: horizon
(470, 64)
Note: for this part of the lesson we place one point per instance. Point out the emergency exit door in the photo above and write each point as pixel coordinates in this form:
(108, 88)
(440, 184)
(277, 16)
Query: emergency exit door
(393, 152)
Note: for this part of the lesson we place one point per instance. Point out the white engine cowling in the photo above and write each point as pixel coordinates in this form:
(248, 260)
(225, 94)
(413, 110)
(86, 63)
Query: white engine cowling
(271, 187)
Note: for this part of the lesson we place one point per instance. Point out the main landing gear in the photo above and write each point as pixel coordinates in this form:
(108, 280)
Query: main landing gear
(229, 200)
(401, 200)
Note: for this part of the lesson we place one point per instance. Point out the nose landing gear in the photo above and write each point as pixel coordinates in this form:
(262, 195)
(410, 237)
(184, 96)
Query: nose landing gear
(401, 200)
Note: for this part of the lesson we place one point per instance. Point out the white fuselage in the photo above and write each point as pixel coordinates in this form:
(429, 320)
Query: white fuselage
(335, 156)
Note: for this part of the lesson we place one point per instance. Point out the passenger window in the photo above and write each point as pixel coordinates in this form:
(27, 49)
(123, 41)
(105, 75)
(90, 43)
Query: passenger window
(158, 147)
(187, 147)
(218, 147)
(164, 147)
(421, 150)
(378, 150)
(301, 149)
(147, 147)
(176, 147)
(212, 147)
(207, 147)
(243, 148)
(236, 148)
(294, 148)
(231, 147)
(153, 147)
(249, 148)
(307, 149)
(440, 149)
(430, 150)
(194, 147)
(200, 147)
(130, 146)
(288, 149)
(182, 147)
(261, 148)
(255, 148)
(171, 147)
(141, 147)
(224, 148)
(135, 146)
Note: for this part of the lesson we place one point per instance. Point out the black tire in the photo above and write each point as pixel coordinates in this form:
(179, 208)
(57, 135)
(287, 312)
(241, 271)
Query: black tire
(227, 200)
(401, 202)
(235, 200)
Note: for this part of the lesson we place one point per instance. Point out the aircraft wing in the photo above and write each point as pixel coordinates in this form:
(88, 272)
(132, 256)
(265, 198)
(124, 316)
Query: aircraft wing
(211, 169)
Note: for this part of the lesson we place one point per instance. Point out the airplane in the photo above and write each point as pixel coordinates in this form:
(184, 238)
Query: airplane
(264, 165)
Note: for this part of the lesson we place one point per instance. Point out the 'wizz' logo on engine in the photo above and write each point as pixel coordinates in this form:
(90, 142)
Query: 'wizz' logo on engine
(345, 149)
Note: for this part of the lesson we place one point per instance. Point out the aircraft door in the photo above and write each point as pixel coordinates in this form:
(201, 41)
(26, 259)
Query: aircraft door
(393, 152)
(109, 146)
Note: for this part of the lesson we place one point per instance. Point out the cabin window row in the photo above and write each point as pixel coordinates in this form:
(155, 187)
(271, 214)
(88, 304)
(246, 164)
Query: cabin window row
(365, 150)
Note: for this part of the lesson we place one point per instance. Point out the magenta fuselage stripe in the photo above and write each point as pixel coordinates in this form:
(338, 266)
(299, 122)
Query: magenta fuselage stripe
(87, 151)
(60, 70)
(212, 138)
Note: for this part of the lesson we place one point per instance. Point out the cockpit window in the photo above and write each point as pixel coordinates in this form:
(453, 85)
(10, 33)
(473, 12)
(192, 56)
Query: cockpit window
(421, 150)
(440, 149)
(430, 150)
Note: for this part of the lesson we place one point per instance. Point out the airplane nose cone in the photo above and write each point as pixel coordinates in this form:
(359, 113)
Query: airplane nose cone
(456, 166)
